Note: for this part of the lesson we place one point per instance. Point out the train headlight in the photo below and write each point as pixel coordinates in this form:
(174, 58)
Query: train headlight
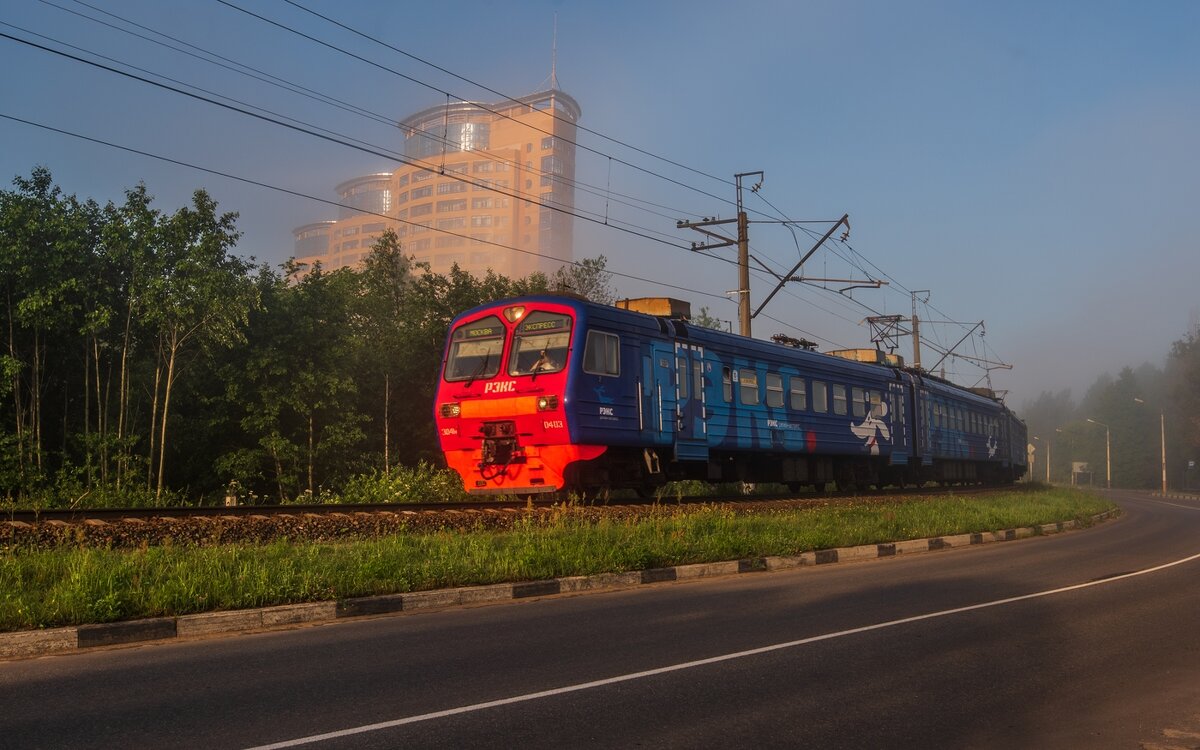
(451, 410)
(547, 403)
(515, 313)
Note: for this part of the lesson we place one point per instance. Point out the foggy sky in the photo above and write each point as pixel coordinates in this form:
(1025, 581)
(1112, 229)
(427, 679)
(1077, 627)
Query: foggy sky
(1033, 165)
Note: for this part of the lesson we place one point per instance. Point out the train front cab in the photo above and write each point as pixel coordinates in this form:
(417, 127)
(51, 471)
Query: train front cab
(501, 408)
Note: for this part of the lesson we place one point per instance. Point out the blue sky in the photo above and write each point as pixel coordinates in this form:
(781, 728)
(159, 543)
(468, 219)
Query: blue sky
(1034, 165)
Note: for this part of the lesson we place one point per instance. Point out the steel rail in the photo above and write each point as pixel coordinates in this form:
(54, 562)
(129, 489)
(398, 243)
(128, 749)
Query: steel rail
(82, 515)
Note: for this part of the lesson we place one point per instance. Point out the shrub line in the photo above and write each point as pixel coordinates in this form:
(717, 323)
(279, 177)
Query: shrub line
(30, 643)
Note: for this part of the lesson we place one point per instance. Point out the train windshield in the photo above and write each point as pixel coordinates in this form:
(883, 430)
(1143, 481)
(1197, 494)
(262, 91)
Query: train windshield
(540, 344)
(475, 350)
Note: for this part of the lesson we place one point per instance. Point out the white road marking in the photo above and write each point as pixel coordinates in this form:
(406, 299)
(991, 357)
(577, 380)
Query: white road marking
(704, 662)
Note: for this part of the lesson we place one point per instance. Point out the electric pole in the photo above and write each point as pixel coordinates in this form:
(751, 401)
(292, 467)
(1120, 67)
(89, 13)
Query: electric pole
(916, 328)
(743, 245)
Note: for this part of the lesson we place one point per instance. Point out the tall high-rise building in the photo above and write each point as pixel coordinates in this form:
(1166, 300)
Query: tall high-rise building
(478, 179)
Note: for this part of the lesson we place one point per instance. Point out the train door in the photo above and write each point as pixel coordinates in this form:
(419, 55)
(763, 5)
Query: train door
(691, 443)
(921, 407)
(661, 392)
(901, 446)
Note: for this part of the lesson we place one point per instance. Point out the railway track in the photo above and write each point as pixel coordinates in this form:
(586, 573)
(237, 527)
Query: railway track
(109, 515)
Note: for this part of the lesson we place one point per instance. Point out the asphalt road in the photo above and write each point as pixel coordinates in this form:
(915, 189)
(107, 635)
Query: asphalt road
(1085, 639)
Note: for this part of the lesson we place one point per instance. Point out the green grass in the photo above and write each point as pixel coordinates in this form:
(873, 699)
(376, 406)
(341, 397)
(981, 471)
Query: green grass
(77, 585)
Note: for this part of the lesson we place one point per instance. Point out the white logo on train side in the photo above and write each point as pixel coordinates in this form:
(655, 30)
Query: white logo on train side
(873, 429)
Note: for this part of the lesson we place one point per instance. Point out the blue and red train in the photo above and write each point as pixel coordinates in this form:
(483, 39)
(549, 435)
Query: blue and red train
(545, 393)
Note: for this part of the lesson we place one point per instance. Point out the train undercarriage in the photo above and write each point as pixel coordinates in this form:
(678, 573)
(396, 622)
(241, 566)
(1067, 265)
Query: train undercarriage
(645, 470)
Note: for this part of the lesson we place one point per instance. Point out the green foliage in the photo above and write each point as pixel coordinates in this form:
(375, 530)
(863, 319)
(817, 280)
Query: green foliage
(1141, 407)
(706, 320)
(142, 354)
(587, 278)
(422, 483)
(1183, 370)
(73, 585)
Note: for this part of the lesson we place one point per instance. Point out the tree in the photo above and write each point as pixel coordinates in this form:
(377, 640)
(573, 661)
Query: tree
(46, 240)
(587, 278)
(200, 298)
(386, 277)
(1183, 377)
(705, 320)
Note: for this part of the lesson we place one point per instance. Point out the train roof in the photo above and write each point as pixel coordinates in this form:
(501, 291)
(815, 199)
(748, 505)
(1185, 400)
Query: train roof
(710, 337)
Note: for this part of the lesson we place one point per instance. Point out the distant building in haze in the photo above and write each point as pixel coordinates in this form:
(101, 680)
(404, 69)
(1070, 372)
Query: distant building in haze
(476, 174)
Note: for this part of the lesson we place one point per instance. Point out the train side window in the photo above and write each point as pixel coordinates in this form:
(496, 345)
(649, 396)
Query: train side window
(858, 402)
(820, 402)
(799, 397)
(875, 398)
(698, 378)
(726, 384)
(839, 400)
(748, 380)
(602, 354)
(774, 389)
(682, 376)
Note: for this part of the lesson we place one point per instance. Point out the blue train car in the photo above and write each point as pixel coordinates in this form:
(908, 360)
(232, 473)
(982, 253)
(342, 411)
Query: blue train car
(642, 399)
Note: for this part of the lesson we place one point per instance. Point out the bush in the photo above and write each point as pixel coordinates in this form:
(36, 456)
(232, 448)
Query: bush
(423, 483)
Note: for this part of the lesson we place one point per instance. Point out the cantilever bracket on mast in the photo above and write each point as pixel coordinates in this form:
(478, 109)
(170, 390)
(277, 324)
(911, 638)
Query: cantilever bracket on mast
(790, 274)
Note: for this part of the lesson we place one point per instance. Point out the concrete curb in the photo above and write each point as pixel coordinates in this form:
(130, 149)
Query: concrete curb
(30, 643)
(1176, 496)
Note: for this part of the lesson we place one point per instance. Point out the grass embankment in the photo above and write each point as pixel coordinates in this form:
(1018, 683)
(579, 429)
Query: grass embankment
(77, 585)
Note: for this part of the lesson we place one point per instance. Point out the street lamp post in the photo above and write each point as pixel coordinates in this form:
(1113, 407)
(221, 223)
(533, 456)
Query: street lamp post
(1047, 441)
(1107, 452)
(1162, 427)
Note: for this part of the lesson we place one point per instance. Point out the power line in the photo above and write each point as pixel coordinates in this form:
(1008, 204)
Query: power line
(298, 194)
(295, 88)
(332, 139)
(501, 95)
(579, 213)
(449, 94)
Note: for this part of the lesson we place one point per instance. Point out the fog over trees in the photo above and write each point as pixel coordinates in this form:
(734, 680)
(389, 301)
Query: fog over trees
(1140, 407)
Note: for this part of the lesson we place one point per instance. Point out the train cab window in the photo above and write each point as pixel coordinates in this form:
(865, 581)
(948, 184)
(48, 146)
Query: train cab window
(748, 392)
(475, 350)
(774, 389)
(799, 398)
(540, 344)
(875, 398)
(839, 400)
(726, 384)
(602, 354)
(858, 402)
(820, 402)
